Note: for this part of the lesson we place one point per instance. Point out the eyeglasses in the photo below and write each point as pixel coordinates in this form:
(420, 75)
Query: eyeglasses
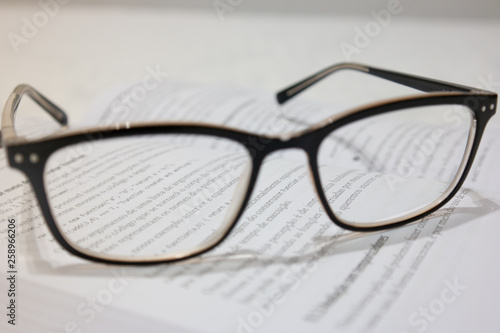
(160, 192)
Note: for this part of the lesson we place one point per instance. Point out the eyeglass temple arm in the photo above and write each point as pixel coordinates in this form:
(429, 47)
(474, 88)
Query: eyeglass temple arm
(413, 81)
(8, 131)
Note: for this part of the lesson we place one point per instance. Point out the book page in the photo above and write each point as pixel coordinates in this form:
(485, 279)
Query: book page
(285, 265)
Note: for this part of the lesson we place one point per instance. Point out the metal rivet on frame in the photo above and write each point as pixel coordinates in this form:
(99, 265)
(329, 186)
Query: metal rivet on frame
(34, 158)
(492, 106)
(19, 158)
(483, 108)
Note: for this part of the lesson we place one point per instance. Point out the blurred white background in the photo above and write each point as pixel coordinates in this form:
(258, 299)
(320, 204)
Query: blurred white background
(74, 51)
(443, 8)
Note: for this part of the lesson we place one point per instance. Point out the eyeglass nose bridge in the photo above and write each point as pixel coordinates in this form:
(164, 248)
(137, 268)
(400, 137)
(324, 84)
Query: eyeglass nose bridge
(309, 145)
(304, 141)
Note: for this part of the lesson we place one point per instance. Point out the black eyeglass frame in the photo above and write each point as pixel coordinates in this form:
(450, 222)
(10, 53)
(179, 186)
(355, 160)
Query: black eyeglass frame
(30, 156)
